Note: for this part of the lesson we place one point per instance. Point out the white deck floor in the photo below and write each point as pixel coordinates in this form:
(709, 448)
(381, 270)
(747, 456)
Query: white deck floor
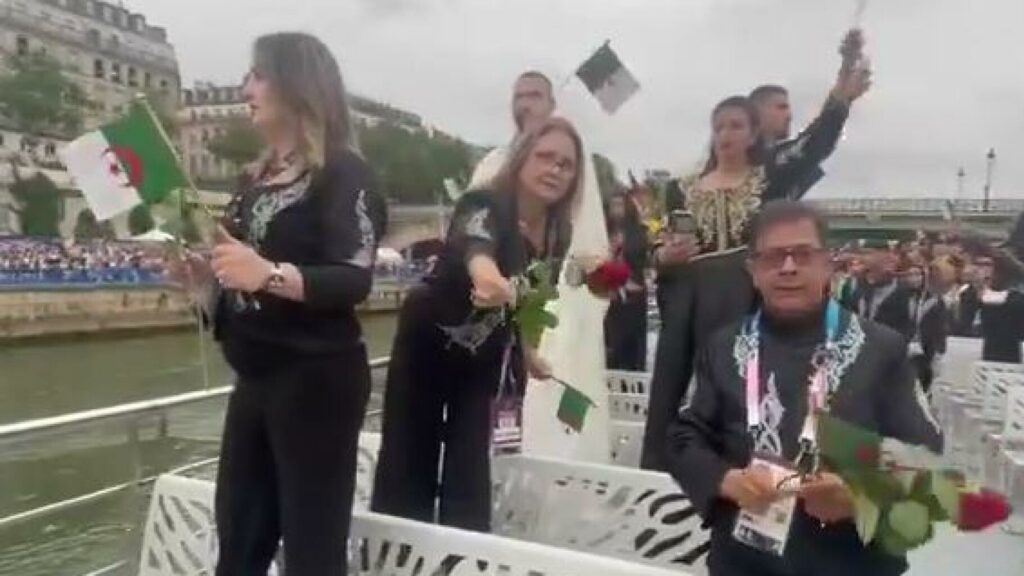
(990, 553)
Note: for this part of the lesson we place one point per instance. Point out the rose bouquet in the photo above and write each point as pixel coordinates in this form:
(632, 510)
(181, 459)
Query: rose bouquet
(900, 492)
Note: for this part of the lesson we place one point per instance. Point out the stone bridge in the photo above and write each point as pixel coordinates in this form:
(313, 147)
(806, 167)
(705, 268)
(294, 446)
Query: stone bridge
(849, 218)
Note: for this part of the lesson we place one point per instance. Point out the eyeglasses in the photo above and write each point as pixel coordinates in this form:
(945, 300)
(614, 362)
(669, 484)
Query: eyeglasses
(559, 165)
(775, 258)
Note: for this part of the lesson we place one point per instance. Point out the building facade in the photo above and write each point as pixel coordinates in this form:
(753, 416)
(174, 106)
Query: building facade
(207, 111)
(111, 52)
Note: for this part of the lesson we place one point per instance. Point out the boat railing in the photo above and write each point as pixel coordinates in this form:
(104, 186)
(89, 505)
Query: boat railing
(134, 442)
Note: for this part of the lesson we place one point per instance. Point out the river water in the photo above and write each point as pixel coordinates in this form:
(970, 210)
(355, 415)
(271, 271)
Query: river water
(48, 378)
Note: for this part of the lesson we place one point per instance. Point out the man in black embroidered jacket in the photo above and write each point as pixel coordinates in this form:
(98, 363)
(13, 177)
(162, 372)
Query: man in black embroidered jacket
(871, 384)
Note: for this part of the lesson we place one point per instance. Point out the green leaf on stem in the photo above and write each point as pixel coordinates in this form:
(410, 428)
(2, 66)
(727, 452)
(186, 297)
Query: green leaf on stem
(911, 521)
(531, 312)
(948, 496)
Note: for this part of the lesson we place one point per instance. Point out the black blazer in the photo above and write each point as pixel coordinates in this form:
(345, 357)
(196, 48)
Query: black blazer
(931, 327)
(710, 437)
(893, 311)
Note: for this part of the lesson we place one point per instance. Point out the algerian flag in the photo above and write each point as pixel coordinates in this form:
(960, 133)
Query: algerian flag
(451, 187)
(608, 79)
(124, 164)
(573, 407)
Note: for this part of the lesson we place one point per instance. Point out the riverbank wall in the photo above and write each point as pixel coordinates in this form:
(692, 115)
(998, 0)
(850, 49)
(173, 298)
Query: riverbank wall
(39, 313)
(26, 314)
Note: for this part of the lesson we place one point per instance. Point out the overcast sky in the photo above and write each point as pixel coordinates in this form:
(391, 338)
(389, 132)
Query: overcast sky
(949, 73)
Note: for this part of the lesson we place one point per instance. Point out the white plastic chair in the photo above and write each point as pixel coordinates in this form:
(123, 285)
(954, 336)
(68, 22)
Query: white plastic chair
(612, 511)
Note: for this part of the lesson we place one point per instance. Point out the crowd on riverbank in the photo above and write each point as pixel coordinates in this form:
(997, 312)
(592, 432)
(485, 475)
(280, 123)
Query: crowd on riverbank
(56, 262)
(29, 261)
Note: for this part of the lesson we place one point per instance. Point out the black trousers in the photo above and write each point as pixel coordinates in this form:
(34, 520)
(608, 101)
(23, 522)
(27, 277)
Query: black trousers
(923, 366)
(700, 299)
(625, 334)
(436, 395)
(288, 465)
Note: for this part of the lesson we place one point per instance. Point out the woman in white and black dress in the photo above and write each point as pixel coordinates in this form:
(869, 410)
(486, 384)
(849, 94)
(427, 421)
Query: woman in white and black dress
(293, 260)
(458, 349)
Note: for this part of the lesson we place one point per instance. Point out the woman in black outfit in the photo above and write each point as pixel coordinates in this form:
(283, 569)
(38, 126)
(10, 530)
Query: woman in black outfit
(1002, 298)
(294, 258)
(927, 313)
(625, 325)
(457, 349)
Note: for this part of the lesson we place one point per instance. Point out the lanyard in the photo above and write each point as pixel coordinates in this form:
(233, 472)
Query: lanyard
(817, 392)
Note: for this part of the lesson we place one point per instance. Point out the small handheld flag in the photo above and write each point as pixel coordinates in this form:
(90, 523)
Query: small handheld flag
(125, 163)
(573, 407)
(608, 79)
(451, 188)
(858, 12)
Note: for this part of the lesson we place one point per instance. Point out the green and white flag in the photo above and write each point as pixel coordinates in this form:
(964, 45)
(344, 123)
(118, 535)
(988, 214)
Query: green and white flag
(608, 79)
(124, 164)
(573, 407)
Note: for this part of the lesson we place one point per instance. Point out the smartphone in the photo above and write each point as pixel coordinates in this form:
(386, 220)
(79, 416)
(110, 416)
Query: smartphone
(682, 222)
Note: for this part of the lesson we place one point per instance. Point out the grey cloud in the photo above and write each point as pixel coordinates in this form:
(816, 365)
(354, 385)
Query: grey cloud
(948, 82)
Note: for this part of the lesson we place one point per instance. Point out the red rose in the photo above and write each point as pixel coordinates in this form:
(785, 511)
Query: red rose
(979, 510)
(608, 277)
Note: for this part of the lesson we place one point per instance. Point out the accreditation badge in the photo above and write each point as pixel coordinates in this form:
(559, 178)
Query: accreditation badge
(769, 532)
(507, 425)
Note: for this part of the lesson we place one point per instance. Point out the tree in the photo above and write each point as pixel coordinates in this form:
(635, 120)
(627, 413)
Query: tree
(164, 108)
(140, 220)
(411, 166)
(88, 228)
(37, 97)
(607, 182)
(37, 202)
(239, 144)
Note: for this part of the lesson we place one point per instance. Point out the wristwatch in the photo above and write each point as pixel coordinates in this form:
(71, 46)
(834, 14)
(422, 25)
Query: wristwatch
(276, 279)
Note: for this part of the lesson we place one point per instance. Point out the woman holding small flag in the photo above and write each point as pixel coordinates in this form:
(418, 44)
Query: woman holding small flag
(293, 259)
(719, 202)
(459, 360)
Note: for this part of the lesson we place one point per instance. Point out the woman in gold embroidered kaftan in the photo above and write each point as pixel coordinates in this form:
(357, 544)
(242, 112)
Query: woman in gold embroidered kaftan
(703, 283)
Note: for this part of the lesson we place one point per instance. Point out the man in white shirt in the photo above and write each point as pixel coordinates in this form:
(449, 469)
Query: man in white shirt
(533, 101)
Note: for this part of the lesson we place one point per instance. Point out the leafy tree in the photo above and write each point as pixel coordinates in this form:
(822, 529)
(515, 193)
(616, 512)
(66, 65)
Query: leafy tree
(36, 96)
(239, 144)
(37, 202)
(140, 220)
(411, 166)
(88, 228)
(607, 182)
(164, 108)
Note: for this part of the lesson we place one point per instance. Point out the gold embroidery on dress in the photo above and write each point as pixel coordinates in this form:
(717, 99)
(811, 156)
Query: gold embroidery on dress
(722, 215)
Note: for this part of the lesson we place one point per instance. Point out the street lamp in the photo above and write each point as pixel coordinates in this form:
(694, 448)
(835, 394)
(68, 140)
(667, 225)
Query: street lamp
(960, 175)
(991, 157)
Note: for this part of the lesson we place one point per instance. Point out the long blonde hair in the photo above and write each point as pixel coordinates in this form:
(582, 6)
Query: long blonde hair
(506, 181)
(306, 78)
